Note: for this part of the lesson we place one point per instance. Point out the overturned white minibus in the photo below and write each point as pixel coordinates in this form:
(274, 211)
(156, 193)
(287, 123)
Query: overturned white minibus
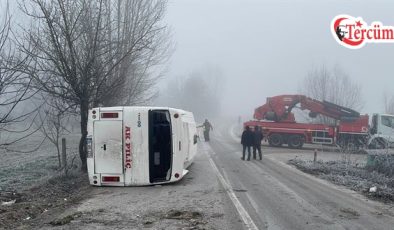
(129, 146)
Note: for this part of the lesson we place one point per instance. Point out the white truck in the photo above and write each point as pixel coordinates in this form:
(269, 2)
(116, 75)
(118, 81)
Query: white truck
(132, 146)
(381, 131)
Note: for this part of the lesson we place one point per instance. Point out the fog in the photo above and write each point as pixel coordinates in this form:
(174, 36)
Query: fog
(266, 48)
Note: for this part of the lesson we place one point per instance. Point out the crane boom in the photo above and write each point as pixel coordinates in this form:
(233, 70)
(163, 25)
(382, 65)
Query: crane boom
(279, 108)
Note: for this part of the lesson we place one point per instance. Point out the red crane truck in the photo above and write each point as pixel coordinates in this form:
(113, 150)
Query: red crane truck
(278, 123)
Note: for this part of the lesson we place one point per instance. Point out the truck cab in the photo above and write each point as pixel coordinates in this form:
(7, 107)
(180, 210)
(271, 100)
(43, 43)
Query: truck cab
(382, 131)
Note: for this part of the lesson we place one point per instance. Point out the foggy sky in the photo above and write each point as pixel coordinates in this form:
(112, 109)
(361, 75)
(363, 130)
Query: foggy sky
(265, 48)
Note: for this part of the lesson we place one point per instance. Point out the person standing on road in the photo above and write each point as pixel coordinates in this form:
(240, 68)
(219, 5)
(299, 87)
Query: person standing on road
(258, 137)
(247, 141)
(207, 127)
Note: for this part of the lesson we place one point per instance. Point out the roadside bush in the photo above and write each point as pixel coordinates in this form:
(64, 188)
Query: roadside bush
(356, 178)
(382, 163)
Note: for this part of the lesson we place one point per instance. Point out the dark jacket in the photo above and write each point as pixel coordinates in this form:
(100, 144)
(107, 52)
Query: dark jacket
(258, 137)
(207, 126)
(247, 138)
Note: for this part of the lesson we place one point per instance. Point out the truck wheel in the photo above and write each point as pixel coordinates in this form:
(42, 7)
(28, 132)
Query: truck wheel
(348, 144)
(352, 147)
(295, 141)
(275, 140)
(378, 143)
(342, 144)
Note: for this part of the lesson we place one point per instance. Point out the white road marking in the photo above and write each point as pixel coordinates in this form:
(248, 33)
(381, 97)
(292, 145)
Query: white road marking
(270, 225)
(268, 220)
(241, 210)
(305, 204)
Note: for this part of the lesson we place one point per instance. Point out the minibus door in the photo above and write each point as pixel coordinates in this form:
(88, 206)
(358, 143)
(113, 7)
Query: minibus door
(108, 157)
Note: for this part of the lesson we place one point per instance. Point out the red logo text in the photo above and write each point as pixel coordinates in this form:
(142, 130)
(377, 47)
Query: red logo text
(127, 147)
(354, 33)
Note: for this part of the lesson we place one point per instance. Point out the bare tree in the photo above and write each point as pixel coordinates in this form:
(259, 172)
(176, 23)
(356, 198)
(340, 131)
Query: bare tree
(15, 117)
(54, 116)
(91, 53)
(388, 103)
(334, 86)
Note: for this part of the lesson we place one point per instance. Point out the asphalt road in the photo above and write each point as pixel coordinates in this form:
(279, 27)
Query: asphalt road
(277, 196)
(223, 192)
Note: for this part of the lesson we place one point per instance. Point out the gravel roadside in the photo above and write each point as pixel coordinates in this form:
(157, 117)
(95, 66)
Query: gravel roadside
(198, 201)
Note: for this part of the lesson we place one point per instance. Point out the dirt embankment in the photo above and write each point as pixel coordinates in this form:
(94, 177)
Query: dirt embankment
(357, 178)
(41, 203)
(198, 201)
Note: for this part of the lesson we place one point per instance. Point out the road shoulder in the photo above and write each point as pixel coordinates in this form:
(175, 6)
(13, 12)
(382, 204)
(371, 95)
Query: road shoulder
(198, 201)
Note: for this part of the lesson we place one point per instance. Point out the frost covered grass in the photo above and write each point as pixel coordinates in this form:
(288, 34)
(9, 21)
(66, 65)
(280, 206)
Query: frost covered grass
(22, 168)
(25, 175)
(356, 177)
